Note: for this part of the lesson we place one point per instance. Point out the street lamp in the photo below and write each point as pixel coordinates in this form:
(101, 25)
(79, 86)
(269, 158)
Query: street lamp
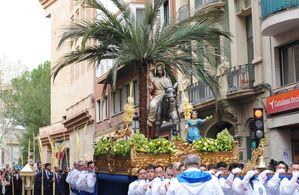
(135, 122)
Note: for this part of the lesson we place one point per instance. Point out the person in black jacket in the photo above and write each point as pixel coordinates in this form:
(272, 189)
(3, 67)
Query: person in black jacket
(38, 179)
(17, 182)
(66, 186)
(48, 180)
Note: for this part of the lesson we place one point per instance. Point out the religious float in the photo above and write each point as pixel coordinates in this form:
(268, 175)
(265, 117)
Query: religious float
(119, 156)
(127, 156)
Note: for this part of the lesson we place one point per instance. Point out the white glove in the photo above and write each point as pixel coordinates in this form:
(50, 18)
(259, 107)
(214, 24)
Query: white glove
(236, 170)
(280, 171)
(295, 175)
(212, 172)
(219, 173)
(249, 175)
(263, 176)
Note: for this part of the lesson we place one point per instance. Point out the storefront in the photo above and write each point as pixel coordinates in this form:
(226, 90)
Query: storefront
(283, 125)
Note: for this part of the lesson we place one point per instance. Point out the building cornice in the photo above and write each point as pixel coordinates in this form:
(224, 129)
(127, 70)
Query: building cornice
(78, 121)
(46, 3)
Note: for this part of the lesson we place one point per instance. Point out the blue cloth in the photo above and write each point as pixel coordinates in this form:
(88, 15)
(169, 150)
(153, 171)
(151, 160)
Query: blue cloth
(75, 191)
(86, 193)
(113, 184)
(194, 177)
(193, 131)
(281, 176)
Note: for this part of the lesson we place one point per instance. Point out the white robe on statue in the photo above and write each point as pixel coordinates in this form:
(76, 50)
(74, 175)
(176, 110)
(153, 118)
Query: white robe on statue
(200, 184)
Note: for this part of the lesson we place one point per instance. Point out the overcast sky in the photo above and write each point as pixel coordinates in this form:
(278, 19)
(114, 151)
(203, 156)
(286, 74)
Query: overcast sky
(25, 32)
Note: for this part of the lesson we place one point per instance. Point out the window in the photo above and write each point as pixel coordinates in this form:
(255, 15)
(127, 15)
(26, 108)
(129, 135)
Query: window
(249, 38)
(113, 103)
(135, 93)
(139, 15)
(166, 12)
(120, 91)
(99, 110)
(105, 107)
(289, 59)
(103, 67)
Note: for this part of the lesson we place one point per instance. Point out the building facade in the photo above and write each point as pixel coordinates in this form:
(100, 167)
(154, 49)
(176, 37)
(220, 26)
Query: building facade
(280, 30)
(72, 92)
(10, 147)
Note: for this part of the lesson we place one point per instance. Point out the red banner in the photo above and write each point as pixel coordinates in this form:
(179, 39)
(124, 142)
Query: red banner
(283, 102)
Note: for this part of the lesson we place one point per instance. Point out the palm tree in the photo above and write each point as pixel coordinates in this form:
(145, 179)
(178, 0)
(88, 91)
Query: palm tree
(141, 43)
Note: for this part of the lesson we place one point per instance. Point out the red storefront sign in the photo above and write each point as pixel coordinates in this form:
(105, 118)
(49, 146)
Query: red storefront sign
(283, 102)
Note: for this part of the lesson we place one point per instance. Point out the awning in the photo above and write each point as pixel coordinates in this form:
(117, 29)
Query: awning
(283, 120)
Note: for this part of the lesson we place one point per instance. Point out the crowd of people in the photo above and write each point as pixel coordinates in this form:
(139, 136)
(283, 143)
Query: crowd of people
(10, 181)
(78, 181)
(191, 178)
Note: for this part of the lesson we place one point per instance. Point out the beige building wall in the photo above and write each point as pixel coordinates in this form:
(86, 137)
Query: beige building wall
(72, 91)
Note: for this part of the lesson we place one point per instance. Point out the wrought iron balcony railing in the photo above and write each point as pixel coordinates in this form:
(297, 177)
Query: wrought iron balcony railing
(240, 78)
(198, 93)
(202, 3)
(269, 7)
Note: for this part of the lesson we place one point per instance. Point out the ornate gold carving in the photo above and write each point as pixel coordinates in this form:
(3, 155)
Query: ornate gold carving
(256, 153)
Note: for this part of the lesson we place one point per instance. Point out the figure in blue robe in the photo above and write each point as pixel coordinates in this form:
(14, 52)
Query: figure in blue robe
(193, 127)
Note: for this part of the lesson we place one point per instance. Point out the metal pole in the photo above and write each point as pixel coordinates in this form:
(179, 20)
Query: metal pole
(13, 186)
(42, 192)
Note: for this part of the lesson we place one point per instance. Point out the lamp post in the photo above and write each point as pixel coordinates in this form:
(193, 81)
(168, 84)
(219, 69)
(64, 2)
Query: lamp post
(135, 122)
(27, 174)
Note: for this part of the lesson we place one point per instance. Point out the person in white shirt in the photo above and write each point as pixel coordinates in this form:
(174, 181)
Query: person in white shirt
(87, 180)
(291, 187)
(142, 176)
(154, 185)
(193, 181)
(145, 187)
(169, 175)
(74, 177)
(250, 186)
(178, 168)
(226, 183)
(69, 178)
(272, 185)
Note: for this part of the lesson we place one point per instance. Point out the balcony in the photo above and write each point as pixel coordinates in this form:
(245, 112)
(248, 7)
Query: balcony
(279, 16)
(200, 4)
(199, 93)
(240, 81)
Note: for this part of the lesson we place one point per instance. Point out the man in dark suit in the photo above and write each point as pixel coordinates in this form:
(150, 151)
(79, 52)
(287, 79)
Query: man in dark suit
(48, 180)
(17, 183)
(66, 186)
(38, 180)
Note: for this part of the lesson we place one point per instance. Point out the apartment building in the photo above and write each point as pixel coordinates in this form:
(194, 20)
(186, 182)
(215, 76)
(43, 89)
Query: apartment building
(280, 30)
(72, 92)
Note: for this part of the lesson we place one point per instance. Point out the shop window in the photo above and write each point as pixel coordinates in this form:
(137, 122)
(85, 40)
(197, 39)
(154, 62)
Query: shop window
(289, 63)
